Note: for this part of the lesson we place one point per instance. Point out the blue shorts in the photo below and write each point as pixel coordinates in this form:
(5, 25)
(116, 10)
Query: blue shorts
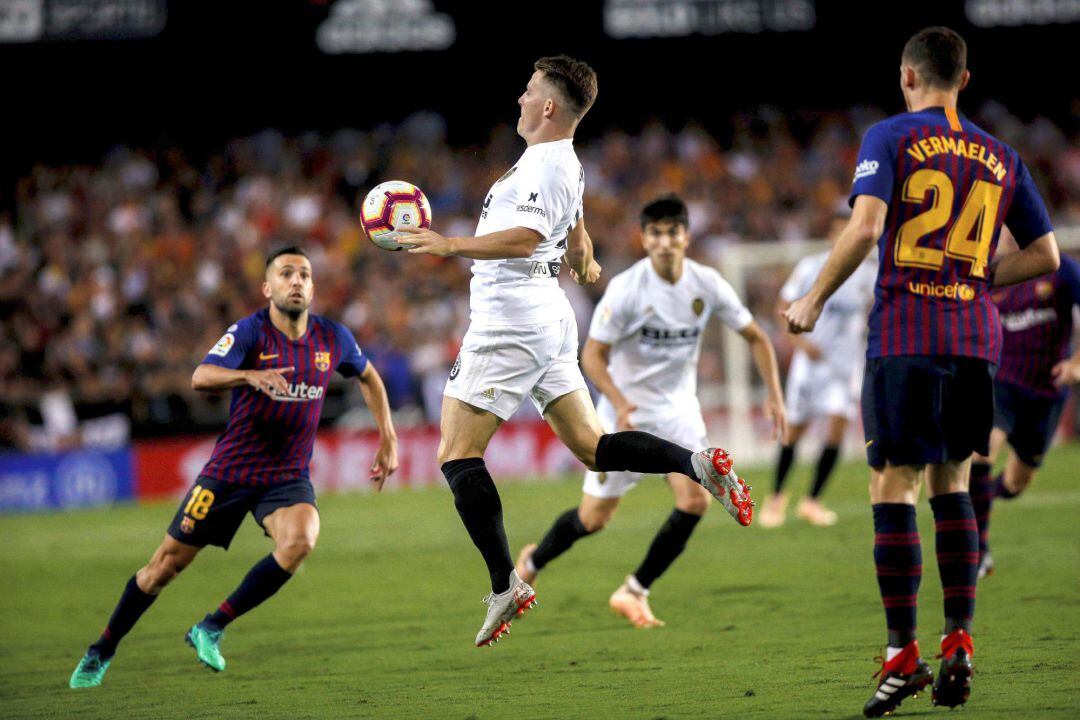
(1029, 420)
(926, 409)
(212, 510)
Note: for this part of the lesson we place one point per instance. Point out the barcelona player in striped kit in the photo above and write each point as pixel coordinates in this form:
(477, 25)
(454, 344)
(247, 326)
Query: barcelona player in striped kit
(932, 190)
(1030, 387)
(278, 363)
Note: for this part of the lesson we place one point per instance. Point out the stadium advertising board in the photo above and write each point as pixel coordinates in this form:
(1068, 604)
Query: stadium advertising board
(166, 468)
(68, 480)
(24, 21)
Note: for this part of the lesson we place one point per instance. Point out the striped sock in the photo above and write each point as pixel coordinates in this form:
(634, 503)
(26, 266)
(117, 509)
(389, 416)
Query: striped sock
(133, 603)
(957, 543)
(262, 581)
(982, 500)
(898, 557)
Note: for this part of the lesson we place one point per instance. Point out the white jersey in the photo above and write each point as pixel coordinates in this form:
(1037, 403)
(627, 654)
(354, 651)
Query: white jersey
(543, 192)
(655, 330)
(841, 329)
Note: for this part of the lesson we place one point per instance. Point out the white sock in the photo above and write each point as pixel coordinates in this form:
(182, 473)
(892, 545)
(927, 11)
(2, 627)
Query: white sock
(635, 586)
(530, 566)
(891, 652)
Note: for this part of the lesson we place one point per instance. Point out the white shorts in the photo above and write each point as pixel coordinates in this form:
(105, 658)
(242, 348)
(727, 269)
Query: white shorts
(815, 389)
(686, 430)
(499, 366)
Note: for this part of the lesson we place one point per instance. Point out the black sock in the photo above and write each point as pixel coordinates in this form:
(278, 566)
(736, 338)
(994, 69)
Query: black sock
(898, 556)
(644, 453)
(133, 603)
(783, 466)
(668, 544)
(1000, 490)
(981, 489)
(263, 580)
(477, 502)
(565, 531)
(825, 466)
(957, 556)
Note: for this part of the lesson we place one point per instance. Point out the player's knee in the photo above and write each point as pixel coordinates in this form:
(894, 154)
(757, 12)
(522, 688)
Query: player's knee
(584, 449)
(1019, 483)
(695, 504)
(451, 451)
(596, 520)
(295, 547)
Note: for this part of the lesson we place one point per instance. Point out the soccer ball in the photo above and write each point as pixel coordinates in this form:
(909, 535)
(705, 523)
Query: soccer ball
(391, 205)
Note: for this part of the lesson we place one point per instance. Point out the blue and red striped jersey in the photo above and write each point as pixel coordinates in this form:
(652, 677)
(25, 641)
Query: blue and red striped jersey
(270, 439)
(950, 186)
(1036, 327)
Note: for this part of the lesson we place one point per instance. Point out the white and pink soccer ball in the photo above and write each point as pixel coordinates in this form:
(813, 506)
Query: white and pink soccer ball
(391, 205)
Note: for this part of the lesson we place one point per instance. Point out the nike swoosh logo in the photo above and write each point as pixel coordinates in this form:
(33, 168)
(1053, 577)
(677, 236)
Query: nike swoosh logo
(267, 357)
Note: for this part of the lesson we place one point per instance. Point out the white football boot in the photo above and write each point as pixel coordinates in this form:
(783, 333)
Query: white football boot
(712, 468)
(504, 607)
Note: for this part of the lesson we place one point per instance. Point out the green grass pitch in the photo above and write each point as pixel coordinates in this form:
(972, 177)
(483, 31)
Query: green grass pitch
(380, 621)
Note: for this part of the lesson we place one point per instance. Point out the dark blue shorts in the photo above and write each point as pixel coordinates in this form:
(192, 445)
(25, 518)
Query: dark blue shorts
(920, 409)
(212, 510)
(1029, 420)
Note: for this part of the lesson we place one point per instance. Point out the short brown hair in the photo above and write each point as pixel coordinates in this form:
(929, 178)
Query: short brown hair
(574, 79)
(939, 55)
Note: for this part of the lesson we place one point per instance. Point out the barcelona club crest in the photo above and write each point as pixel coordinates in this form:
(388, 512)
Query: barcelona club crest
(322, 361)
(187, 525)
(698, 306)
(1044, 289)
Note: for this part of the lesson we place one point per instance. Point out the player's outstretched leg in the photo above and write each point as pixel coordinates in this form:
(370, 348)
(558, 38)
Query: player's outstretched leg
(140, 592)
(295, 530)
(573, 418)
(958, 561)
(591, 516)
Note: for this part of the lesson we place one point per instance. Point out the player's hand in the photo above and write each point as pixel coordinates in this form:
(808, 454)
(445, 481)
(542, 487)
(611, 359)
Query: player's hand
(801, 315)
(622, 417)
(1065, 373)
(385, 462)
(269, 381)
(592, 274)
(424, 241)
(777, 413)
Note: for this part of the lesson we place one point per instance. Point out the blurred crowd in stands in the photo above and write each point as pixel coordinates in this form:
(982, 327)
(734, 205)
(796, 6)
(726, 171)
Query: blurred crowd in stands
(116, 278)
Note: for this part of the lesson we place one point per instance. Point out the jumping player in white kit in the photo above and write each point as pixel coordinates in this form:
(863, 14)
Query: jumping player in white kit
(642, 354)
(822, 381)
(523, 337)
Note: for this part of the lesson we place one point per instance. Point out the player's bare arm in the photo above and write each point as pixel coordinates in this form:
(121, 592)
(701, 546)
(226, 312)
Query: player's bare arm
(854, 244)
(386, 457)
(580, 257)
(1039, 258)
(594, 361)
(761, 349)
(516, 242)
(213, 379)
(801, 343)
